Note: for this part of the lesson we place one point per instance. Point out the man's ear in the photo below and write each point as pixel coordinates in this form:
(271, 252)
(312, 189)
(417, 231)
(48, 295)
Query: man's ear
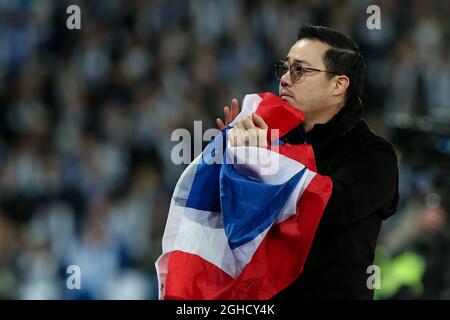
(341, 84)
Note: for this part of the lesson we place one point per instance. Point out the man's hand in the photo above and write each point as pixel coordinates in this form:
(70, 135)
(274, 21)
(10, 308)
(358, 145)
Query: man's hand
(228, 114)
(250, 131)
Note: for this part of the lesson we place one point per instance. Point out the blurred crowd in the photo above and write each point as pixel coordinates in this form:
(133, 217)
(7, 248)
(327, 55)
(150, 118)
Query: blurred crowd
(86, 118)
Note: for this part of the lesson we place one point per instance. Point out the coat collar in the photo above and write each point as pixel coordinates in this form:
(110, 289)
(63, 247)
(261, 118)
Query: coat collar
(339, 125)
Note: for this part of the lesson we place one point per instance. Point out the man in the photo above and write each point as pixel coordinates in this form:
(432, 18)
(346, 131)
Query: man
(323, 76)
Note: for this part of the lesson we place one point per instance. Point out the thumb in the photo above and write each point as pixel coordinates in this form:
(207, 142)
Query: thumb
(259, 121)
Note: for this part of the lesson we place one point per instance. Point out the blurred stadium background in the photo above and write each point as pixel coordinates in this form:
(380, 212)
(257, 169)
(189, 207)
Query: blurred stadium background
(86, 118)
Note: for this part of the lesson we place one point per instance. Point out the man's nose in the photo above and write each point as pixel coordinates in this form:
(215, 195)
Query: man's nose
(286, 80)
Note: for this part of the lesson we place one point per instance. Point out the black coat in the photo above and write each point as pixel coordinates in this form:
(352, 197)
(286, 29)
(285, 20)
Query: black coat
(364, 171)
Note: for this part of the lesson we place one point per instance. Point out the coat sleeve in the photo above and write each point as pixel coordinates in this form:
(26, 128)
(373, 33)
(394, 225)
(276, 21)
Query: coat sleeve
(365, 184)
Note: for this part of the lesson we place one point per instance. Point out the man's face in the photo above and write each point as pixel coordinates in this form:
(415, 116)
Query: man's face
(312, 93)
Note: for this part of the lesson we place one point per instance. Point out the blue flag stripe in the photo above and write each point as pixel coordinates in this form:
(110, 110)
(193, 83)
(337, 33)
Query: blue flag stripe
(250, 206)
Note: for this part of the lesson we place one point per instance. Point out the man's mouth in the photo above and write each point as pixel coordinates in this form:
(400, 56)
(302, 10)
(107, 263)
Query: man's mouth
(284, 95)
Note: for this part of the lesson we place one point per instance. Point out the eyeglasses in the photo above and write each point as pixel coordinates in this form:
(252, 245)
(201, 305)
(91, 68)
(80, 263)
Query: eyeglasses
(296, 70)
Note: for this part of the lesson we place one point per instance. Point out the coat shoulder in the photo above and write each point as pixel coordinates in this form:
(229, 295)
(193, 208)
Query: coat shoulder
(362, 137)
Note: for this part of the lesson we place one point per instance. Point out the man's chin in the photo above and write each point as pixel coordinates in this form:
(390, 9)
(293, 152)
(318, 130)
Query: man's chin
(291, 101)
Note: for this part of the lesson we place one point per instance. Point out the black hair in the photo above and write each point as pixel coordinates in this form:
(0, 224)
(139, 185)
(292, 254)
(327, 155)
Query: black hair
(344, 57)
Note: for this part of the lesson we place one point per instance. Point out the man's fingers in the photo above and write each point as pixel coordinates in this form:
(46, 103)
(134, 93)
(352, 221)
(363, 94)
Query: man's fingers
(227, 115)
(247, 123)
(220, 124)
(234, 108)
(254, 137)
(232, 137)
(237, 137)
(259, 121)
(240, 125)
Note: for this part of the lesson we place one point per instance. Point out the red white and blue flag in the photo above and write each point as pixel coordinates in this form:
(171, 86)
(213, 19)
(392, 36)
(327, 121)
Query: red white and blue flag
(241, 228)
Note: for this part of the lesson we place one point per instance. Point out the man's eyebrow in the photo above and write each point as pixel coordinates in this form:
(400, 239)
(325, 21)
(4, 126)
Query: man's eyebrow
(298, 61)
